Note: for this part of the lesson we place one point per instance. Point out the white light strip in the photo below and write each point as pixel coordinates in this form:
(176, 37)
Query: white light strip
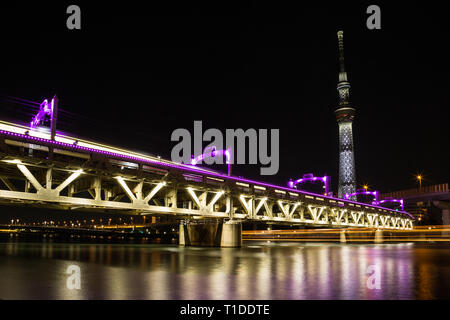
(242, 184)
(217, 179)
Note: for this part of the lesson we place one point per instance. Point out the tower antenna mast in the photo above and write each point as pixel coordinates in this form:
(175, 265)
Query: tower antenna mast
(345, 114)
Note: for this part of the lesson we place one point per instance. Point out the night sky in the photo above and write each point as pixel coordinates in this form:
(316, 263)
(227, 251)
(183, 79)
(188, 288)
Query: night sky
(135, 73)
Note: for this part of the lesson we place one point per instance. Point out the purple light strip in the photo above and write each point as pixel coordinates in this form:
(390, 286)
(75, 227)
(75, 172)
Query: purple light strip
(186, 168)
(212, 154)
(392, 200)
(323, 179)
(374, 193)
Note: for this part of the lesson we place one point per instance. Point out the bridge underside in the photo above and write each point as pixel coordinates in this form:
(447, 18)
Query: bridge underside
(60, 177)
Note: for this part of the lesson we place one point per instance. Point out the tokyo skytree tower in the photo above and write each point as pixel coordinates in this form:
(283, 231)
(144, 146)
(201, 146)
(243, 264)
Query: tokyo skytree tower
(345, 114)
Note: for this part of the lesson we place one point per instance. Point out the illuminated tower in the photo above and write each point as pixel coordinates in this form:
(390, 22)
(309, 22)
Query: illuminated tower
(344, 116)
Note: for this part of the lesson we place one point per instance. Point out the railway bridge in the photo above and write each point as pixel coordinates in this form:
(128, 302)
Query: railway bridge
(46, 168)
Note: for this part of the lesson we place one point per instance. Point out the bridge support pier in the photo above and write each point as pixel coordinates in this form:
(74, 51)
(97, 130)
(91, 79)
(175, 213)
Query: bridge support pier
(445, 207)
(343, 239)
(378, 236)
(211, 234)
(231, 234)
(183, 235)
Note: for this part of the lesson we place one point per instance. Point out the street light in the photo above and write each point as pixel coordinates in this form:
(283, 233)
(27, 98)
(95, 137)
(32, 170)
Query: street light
(419, 178)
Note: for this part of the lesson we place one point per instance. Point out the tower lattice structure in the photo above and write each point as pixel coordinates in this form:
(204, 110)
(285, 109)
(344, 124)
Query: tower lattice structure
(345, 114)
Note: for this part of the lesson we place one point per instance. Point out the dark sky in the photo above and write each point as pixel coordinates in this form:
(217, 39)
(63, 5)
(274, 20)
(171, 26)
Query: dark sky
(135, 73)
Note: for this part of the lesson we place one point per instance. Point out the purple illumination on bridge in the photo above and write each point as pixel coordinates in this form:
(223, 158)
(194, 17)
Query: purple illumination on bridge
(211, 154)
(374, 193)
(44, 109)
(177, 166)
(392, 200)
(310, 177)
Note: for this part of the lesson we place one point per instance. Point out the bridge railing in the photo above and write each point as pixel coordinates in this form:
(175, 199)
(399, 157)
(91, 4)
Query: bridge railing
(437, 188)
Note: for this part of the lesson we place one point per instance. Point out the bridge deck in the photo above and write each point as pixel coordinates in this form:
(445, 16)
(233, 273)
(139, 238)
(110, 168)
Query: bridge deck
(111, 174)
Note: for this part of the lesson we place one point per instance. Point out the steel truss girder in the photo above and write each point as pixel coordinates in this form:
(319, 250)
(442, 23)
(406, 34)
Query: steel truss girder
(256, 207)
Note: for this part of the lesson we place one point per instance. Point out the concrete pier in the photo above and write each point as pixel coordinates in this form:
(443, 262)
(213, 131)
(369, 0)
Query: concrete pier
(343, 239)
(378, 236)
(183, 236)
(211, 234)
(231, 234)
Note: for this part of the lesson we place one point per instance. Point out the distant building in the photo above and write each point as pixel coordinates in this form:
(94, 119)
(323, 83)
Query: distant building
(429, 205)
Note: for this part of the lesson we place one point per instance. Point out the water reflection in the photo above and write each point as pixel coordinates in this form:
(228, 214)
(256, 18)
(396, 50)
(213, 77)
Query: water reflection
(256, 271)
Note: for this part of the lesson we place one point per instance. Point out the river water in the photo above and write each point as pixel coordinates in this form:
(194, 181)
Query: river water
(258, 270)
